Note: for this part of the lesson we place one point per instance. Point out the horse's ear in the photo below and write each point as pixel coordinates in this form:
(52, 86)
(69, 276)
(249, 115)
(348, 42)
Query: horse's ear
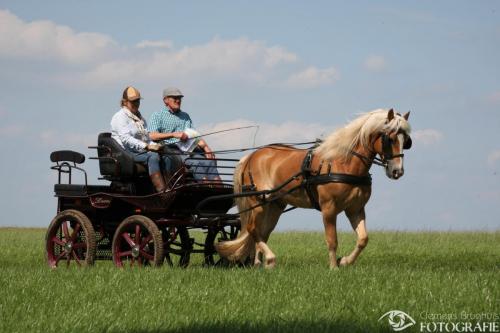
(390, 115)
(406, 115)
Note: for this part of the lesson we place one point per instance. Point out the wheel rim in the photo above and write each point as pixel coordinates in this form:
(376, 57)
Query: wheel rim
(134, 246)
(67, 242)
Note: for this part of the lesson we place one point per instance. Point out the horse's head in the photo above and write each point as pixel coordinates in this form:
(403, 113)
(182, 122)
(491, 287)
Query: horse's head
(390, 144)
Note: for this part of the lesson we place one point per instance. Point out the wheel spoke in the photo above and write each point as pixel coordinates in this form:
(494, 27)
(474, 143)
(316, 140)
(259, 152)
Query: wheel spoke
(129, 240)
(146, 240)
(65, 230)
(68, 257)
(59, 257)
(124, 254)
(173, 234)
(57, 241)
(137, 234)
(146, 255)
(76, 258)
(75, 232)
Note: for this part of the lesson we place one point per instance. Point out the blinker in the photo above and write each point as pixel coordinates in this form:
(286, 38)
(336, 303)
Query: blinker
(407, 143)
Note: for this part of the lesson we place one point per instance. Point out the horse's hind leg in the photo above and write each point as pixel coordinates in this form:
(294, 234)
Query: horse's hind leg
(357, 219)
(264, 224)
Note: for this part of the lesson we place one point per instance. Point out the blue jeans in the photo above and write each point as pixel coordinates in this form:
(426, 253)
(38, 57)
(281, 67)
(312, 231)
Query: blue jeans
(202, 168)
(152, 160)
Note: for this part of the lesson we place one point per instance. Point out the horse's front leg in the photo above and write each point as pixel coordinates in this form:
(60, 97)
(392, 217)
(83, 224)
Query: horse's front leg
(358, 223)
(330, 222)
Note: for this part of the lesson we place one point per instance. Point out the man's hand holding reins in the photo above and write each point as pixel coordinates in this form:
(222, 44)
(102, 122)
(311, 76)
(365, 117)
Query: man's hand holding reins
(155, 147)
(181, 136)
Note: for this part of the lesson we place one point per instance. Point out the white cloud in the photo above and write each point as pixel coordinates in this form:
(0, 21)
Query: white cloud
(102, 61)
(242, 58)
(163, 44)
(289, 132)
(274, 55)
(494, 157)
(11, 130)
(375, 63)
(427, 136)
(47, 40)
(312, 77)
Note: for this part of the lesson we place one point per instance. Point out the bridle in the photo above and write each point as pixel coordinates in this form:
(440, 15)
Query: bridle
(387, 153)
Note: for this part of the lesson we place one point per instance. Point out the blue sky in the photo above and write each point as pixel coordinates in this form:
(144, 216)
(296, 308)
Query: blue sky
(297, 69)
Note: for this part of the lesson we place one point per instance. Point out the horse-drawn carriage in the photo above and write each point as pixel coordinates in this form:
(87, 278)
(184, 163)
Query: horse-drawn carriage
(127, 221)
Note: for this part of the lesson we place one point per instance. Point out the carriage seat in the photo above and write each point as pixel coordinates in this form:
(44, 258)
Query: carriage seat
(115, 162)
(67, 156)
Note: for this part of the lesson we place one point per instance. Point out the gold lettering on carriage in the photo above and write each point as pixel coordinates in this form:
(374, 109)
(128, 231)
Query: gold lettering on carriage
(100, 202)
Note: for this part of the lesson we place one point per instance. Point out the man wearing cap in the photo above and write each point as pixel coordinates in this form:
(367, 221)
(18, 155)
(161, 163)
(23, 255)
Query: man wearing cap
(169, 126)
(129, 129)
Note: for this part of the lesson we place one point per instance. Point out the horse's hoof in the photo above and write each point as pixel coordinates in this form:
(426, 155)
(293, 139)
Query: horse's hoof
(342, 261)
(270, 263)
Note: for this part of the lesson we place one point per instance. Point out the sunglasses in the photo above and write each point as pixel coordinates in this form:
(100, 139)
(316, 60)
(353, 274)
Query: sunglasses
(175, 98)
(136, 102)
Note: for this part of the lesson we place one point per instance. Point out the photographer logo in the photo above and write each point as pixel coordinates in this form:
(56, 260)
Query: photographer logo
(398, 320)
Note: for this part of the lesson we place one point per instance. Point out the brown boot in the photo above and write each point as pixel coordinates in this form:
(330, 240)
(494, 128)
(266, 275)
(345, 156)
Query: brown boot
(158, 182)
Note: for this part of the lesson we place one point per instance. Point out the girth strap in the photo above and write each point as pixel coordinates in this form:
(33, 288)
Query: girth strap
(341, 178)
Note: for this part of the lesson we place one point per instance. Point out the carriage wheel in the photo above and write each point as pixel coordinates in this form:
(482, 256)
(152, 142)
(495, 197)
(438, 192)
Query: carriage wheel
(137, 242)
(177, 243)
(70, 238)
(215, 235)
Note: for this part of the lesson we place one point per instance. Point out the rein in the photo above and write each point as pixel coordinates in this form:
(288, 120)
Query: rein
(310, 178)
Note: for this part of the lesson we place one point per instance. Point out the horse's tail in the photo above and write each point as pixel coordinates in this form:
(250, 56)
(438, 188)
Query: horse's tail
(241, 247)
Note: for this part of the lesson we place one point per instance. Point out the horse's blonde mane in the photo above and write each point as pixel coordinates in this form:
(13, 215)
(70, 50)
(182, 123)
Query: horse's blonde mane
(340, 143)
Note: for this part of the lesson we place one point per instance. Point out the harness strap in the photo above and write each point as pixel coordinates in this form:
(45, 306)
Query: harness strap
(306, 182)
(310, 181)
(341, 178)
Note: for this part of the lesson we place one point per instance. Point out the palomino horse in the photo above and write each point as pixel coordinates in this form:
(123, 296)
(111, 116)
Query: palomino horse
(333, 178)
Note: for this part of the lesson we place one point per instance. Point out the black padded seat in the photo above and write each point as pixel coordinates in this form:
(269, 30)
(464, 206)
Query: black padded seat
(115, 162)
(67, 156)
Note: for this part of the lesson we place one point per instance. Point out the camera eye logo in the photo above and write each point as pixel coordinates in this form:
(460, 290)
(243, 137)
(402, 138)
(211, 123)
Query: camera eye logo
(398, 320)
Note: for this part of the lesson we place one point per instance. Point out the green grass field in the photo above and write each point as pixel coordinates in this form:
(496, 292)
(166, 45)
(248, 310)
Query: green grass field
(418, 273)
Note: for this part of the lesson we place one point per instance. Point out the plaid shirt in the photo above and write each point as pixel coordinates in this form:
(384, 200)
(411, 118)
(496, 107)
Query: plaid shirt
(165, 121)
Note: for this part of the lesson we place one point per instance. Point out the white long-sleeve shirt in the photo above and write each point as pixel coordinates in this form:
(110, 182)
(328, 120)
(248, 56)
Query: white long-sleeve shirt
(126, 133)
